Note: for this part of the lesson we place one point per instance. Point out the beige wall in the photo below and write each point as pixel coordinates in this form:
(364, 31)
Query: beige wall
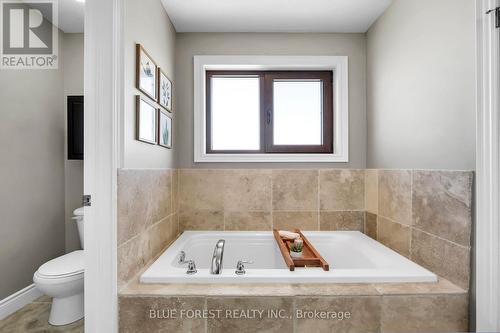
(31, 173)
(190, 44)
(146, 23)
(421, 86)
(72, 62)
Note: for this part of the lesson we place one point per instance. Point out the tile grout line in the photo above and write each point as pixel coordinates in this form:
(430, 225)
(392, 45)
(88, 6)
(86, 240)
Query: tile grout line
(272, 200)
(224, 183)
(378, 202)
(365, 195)
(172, 190)
(443, 239)
(206, 308)
(411, 227)
(318, 204)
(411, 215)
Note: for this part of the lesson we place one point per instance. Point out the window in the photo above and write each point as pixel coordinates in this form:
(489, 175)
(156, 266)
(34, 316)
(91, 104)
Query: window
(235, 117)
(269, 112)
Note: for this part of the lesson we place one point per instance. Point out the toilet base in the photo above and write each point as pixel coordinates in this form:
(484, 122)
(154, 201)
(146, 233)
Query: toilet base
(66, 310)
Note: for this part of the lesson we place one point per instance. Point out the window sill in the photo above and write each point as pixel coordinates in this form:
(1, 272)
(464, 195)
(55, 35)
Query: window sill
(270, 158)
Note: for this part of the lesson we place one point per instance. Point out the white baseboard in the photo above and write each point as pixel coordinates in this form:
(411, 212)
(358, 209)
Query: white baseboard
(14, 302)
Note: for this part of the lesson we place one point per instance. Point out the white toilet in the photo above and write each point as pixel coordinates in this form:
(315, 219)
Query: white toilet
(62, 279)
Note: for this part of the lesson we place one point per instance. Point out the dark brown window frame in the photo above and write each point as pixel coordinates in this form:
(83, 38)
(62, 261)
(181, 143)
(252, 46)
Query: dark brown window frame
(266, 111)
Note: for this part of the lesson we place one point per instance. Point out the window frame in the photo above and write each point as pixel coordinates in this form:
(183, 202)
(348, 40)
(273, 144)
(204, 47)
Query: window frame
(266, 112)
(208, 103)
(327, 122)
(340, 95)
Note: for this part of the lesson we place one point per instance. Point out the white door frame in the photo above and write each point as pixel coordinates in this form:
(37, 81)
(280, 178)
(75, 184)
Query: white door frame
(103, 104)
(104, 101)
(488, 171)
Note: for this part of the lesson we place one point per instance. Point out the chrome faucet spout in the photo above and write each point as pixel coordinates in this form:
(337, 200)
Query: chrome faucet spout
(216, 267)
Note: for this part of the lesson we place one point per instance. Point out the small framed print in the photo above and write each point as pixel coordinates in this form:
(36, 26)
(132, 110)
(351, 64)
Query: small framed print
(164, 90)
(146, 113)
(146, 73)
(164, 129)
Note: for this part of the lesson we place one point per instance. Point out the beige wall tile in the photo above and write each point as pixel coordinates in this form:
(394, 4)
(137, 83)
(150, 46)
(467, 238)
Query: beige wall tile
(161, 194)
(447, 259)
(364, 314)
(295, 190)
(292, 220)
(264, 324)
(144, 198)
(201, 220)
(201, 189)
(394, 235)
(394, 195)
(437, 313)
(132, 257)
(247, 221)
(175, 190)
(371, 225)
(134, 314)
(342, 189)
(442, 203)
(160, 235)
(175, 226)
(348, 220)
(247, 190)
(371, 190)
(134, 197)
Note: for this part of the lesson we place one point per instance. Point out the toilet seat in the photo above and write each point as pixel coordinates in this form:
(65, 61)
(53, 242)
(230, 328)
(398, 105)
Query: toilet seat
(65, 266)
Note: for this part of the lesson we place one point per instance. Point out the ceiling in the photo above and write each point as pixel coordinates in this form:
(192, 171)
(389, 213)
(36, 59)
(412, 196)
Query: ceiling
(71, 15)
(274, 15)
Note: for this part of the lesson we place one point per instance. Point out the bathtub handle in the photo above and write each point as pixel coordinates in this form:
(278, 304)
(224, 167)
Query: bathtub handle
(182, 257)
(240, 266)
(191, 267)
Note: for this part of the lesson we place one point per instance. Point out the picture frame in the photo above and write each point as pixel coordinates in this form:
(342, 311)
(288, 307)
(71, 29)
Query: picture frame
(165, 90)
(146, 73)
(146, 120)
(164, 129)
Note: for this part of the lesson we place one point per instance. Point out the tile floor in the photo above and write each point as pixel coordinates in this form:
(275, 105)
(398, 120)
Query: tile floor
(33, 318)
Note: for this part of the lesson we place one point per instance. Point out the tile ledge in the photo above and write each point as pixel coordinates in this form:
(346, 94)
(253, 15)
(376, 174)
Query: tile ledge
(442, 287)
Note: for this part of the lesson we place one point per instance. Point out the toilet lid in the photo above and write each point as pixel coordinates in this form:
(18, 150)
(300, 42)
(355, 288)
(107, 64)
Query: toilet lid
(68, 264)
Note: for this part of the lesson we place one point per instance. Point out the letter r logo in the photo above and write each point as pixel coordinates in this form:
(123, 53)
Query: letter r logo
(27, 27)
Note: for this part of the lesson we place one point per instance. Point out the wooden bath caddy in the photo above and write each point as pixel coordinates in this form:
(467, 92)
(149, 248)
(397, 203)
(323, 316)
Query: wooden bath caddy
(310, 257)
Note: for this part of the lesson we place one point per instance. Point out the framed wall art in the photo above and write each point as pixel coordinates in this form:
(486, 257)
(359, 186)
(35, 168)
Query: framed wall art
(164, 129)
(165, 92)
(146, 119)
(146, 73)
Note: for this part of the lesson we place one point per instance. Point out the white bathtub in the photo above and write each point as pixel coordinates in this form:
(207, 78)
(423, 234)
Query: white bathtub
(353, 258)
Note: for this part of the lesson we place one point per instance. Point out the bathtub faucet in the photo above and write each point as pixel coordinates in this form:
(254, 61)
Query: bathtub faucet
(217, 257)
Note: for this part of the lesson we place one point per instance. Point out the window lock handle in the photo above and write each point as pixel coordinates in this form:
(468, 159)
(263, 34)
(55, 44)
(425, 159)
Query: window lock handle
(268, 115)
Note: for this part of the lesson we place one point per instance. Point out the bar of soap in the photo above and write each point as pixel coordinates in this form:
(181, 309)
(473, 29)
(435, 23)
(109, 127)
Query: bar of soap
(288, 234)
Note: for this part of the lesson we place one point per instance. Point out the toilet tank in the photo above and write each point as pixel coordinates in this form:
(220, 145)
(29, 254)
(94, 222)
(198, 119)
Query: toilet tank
(78, 217)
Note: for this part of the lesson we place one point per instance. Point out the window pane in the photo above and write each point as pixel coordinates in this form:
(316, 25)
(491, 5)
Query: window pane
(235, 113)
(298, 112)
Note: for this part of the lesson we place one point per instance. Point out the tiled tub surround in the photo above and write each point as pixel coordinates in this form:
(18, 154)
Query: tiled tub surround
(409, 307)
(425, 215)
(147, 217)
(261, 199)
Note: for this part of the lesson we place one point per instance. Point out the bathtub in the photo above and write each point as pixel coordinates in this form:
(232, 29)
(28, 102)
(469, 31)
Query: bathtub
(353, 258)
